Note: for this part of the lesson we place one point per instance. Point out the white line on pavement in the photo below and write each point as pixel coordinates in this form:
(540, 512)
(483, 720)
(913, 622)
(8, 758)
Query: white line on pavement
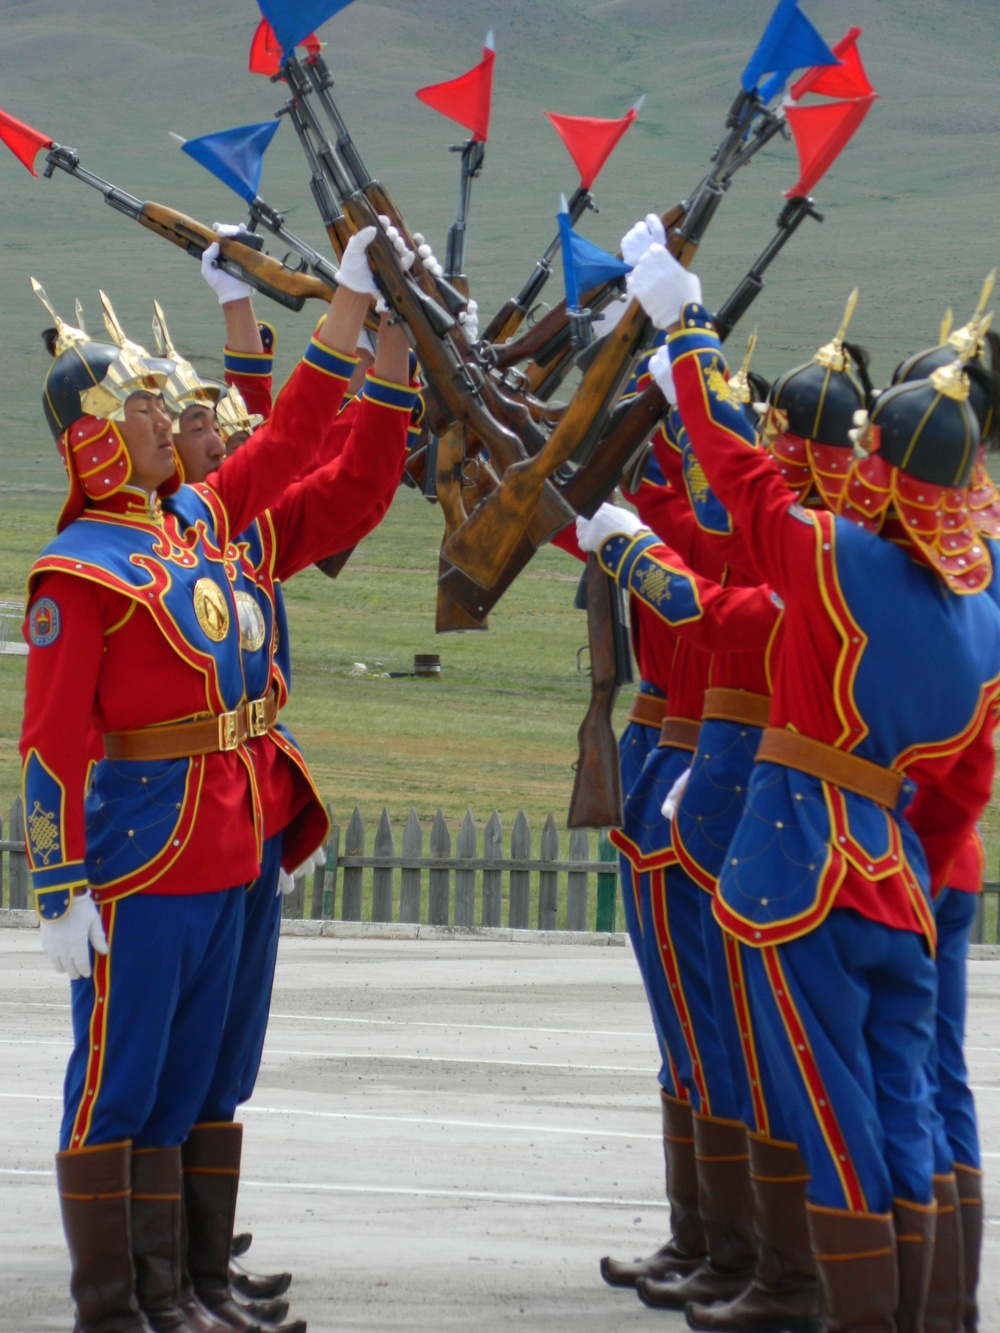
(647, 1071)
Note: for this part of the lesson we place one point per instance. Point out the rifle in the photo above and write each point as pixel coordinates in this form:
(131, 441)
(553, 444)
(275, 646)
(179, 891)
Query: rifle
(426, 304)
(596, 801)
(630, 426)
(449, 481)
(473, 152)
(243, 257)
(509, 318)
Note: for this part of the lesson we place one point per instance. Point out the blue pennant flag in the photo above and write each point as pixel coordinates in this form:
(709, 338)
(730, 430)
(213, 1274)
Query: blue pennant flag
(294, 20)
(235, 156)
(585, 265)
(790, 42)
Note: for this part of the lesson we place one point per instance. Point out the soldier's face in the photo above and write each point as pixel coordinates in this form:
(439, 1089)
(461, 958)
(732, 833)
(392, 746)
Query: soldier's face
(148, 438)
(199, 443)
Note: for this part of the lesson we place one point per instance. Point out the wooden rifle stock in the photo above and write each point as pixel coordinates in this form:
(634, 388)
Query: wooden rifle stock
(331, 565)
(449, 480)
(483, 544)
(268, 275)
(596, 801)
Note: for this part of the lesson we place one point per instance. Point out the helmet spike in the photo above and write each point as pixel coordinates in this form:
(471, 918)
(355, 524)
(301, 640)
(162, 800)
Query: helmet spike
(79, 315)
(739, 384)
(66, 334)
(946, 326)
(970, 335)
(832, 355)
(162, 333)
(114, 327)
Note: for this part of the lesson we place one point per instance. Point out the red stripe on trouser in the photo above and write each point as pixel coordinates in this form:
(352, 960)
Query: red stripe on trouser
(737, 985)
(98, 1033)
(813, 1081)
(668, 957)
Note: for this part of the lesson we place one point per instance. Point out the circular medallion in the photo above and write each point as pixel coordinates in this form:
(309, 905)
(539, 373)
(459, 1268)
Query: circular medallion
(43, 622)
(211, 610)
(252, 627)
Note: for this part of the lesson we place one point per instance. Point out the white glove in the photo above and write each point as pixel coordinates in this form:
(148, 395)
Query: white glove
(663, 286)
(663, 372)
(432, 264)
(66, 941)
(226, 287)
(286, 881)
(674, 795)
(355, 271)
(639, 238)
(230, 229)
(469, 320)
(609, 521)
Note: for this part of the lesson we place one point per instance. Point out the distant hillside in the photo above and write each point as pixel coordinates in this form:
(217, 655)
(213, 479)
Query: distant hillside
(910, 208)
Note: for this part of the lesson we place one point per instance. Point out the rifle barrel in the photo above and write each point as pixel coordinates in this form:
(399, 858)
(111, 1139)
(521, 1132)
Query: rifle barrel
(66, 160)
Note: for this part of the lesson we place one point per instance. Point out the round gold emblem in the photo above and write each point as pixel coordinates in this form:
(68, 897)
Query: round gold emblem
(211, 610)
(252, 628)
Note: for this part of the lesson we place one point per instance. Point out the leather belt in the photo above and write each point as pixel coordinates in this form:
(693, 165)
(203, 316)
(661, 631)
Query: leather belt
(648, 710)
(725, 705)
(823, 761)
(681, 732)
(209, 735)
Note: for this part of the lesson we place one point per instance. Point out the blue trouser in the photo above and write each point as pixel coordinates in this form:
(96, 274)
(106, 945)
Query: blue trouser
(957, 1135)
(682, 994)
(845, 1018)
(634, 747)
(148, 1021)
(246, 1023)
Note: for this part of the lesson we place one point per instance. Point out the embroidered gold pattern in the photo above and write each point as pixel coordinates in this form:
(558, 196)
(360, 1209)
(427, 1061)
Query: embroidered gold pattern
(718, 385)
(697, 482)
(653, 584)
(43, 833)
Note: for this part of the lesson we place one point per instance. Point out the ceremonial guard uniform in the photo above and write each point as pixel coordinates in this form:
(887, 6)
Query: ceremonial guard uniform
(825, 880)
(134, 631)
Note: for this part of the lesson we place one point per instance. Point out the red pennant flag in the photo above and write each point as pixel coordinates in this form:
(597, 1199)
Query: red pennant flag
(820, 132)
(22, 140)
(467, 98)
(265, 49)
(847, 79)
(590, 140)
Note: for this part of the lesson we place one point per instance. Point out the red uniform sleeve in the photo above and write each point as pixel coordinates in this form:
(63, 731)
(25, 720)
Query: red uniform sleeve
(341, 502)
(700, 611)
(65, 626)
(251, 373)
(256, 476)
(952, 793)
(779, 535)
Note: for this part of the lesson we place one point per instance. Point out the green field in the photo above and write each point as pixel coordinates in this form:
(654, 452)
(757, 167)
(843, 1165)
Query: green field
(910, 217)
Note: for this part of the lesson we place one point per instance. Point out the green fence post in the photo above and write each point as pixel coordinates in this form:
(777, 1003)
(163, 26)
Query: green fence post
(607, 886)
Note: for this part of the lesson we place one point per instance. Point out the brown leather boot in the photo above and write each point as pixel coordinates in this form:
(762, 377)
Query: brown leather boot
(158, 1246)
(723, 1162)
(95, 1189)
(970, 1194)
(784, 1295)
(944, 1297)
(211, 1159)
(916, 1224)
(258, 1286)
(685, 1249)
(856, 1257)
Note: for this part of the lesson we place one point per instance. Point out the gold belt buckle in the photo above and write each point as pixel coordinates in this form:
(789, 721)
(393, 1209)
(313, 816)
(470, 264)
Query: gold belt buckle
(257, 717)
(229, 731)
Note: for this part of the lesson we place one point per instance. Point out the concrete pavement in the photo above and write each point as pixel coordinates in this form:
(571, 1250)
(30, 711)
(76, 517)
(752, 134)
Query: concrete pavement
(446, 1135)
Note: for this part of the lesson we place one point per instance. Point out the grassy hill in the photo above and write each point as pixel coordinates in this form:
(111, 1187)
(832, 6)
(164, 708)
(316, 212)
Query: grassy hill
(911, 211)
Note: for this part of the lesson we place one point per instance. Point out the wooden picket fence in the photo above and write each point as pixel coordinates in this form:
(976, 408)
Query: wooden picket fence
(464, 888)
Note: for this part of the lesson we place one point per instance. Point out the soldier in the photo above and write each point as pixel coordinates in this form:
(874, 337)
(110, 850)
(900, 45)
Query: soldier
(140, 859)
(826, 882)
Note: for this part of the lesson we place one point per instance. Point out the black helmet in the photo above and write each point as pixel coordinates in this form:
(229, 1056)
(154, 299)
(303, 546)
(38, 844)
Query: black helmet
(968, 344)
(928, 428)
(818, 400)
(89, 378)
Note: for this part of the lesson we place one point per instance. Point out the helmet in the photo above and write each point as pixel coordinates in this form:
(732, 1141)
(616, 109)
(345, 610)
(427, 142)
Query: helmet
(233, 416)
(966, 343)
(927, 427)
(86, 389)
(89, 378)
(747, 388)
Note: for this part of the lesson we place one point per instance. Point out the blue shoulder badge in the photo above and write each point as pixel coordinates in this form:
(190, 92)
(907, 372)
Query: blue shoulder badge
(44, 622)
